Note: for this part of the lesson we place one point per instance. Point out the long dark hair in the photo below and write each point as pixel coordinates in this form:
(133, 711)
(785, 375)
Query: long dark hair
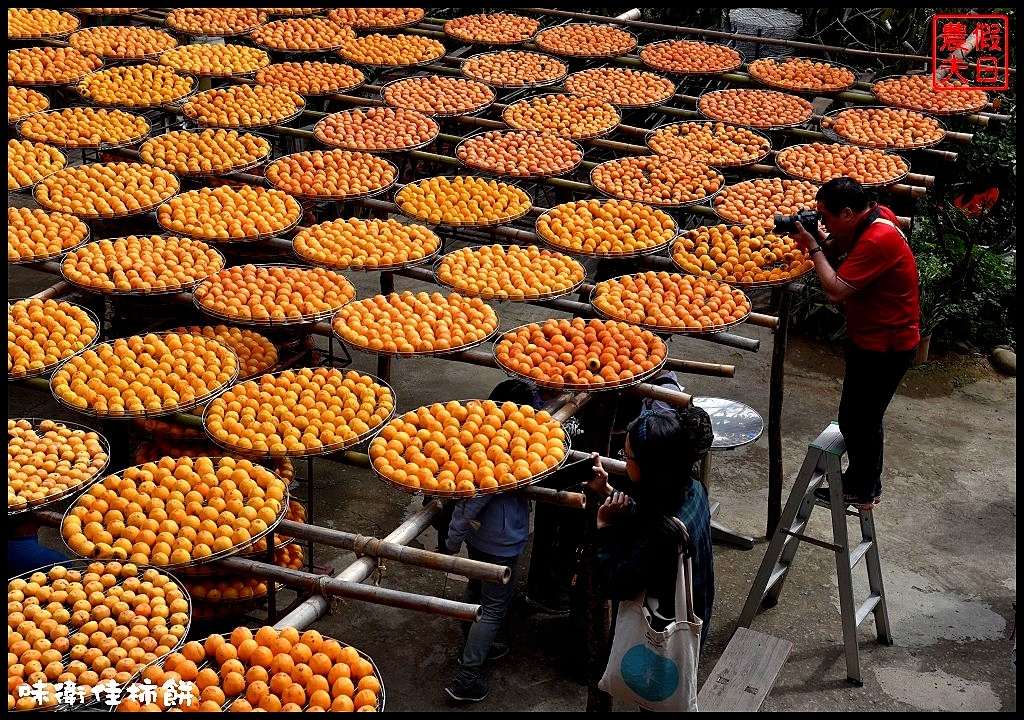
(666, 444)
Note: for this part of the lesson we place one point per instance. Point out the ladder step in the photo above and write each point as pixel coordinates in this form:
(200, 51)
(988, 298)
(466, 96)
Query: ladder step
(778, 571)
(858, 552)
(830, 440)
(867, 607)
(815, 541)
(817, 476)
(850, 510)
(798, 526)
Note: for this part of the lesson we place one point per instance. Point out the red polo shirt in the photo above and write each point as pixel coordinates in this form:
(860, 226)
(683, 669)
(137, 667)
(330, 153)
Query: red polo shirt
(883, 313)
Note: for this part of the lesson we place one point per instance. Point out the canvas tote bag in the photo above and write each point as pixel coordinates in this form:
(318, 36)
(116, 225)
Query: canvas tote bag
(654, 669)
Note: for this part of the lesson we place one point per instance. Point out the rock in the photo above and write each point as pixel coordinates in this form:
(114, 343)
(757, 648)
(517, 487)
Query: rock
(965, 348)
(1005, 360)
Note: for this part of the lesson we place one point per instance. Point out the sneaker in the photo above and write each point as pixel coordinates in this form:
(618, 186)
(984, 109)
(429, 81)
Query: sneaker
(498, 651)
(823, 495)
(547, 607)
(473, 690)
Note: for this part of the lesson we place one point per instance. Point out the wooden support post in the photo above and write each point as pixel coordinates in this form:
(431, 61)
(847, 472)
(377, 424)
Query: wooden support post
(598, 612)
(776, 393)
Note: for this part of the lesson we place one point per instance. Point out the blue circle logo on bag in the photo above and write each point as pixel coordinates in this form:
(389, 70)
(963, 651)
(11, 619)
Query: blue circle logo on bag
(648, 674)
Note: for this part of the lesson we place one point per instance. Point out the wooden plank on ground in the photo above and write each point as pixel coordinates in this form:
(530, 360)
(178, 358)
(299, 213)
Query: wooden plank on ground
(745, 674)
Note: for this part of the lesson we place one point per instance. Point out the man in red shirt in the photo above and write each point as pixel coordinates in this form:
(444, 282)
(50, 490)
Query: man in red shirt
(867, 266)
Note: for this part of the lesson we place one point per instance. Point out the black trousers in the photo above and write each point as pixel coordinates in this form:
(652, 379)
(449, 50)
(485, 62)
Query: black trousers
(870, 382)
(555, 557)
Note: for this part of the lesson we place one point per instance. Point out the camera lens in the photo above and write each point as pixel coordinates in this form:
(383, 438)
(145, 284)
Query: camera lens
(785, 223)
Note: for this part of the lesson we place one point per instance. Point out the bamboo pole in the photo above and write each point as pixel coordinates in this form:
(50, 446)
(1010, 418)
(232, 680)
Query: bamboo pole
(911, 186)
(659, 392)
(761, 320)
(572, 405)
(523, 235)
(49, 518)
(62, 287)
(47, 266)
(894, 188)
(897, 188)
(482, 359)
(699, 368)
(560, 304)
(316, 606)
(946, 155)
(860, 94)
(486, 359)
(578, 309)
(366, 545)
(326, 587)
(34, 383)
(538, 493)
(752, 318)
(555, 401)
(979, 118)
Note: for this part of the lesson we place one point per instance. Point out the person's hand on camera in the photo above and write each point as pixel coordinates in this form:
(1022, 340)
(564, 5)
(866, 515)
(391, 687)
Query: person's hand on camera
(614, 505)
(804, 239)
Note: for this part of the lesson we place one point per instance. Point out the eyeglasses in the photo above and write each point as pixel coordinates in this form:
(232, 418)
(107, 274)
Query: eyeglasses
(622, 455)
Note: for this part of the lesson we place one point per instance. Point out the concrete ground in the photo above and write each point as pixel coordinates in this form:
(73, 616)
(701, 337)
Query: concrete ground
(946, 533)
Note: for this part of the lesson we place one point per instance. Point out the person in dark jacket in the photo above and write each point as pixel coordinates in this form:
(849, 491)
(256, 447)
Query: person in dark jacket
(634, 550)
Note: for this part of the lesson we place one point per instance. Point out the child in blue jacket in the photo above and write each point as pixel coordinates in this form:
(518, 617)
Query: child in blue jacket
(495, 529)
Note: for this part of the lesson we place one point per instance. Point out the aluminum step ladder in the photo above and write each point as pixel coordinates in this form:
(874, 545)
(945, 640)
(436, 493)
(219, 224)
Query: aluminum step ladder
(824, 463)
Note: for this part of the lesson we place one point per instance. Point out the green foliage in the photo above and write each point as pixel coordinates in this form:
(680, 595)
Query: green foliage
(934, 272)
(986, 307)
(989, 160)
(814, 316)
(993, 146)
(968, 292)
(968, 249)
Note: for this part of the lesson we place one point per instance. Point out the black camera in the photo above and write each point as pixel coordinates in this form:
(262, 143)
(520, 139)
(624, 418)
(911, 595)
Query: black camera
(808, 218)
